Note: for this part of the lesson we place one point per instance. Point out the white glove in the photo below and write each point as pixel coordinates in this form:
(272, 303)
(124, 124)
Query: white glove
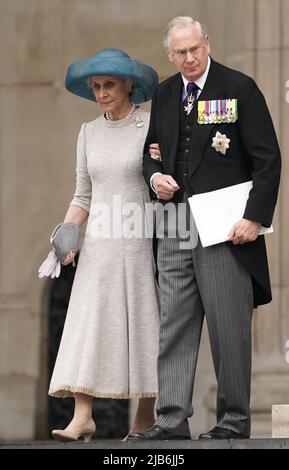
(50, 267)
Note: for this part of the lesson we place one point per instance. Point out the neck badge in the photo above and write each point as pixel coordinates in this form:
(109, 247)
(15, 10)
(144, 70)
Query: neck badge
(191, 101)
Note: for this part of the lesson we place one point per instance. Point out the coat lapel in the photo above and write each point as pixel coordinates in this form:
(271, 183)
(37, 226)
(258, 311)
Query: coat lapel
(171, 120)
(202, 132)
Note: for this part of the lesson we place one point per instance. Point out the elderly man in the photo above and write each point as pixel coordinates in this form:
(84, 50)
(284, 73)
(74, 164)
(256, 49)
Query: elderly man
(224, 281)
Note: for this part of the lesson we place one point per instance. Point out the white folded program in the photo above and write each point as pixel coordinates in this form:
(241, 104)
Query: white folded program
(216, 212)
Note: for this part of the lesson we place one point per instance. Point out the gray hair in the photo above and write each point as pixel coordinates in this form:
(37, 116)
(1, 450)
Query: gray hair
(182, 22)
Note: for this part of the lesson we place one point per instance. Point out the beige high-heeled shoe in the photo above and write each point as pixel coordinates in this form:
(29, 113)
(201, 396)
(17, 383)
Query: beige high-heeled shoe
(70, 435)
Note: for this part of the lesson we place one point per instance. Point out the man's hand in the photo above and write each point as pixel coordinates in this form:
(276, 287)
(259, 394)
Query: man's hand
(165, 186)
(155, 153)
(244, 231)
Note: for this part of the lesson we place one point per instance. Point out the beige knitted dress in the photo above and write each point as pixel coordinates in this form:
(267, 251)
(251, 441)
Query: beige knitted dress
(109, 344)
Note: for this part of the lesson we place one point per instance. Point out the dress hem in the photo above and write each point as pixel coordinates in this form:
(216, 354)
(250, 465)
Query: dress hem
(67, 391)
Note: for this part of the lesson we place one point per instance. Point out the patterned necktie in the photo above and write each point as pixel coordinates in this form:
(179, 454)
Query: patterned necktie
(189, 101)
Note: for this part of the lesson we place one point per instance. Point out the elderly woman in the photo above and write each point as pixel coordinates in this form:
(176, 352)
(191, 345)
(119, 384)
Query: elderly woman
(109, 344)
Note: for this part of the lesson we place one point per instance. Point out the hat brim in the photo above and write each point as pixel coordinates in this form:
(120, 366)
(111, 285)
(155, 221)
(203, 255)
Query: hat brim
(144, 77)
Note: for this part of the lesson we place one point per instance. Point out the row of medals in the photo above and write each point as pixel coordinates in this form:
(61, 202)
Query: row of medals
(229, 114)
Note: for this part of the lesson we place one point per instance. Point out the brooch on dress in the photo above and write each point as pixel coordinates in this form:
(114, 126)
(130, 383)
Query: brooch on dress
(138, 122)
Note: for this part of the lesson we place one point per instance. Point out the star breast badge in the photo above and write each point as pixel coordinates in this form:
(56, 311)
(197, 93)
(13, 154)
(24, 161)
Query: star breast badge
(221, 143)
(190, 105)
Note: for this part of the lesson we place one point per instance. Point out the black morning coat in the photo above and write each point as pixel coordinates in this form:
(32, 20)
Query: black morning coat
(254, 154)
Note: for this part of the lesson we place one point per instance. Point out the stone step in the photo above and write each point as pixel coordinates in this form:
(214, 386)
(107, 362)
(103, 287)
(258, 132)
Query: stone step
(166, 446)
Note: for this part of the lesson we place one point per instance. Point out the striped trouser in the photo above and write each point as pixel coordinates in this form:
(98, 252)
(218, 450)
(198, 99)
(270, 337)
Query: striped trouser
(193, 283)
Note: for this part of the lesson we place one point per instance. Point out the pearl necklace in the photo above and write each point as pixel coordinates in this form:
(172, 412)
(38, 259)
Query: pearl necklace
(126, 117)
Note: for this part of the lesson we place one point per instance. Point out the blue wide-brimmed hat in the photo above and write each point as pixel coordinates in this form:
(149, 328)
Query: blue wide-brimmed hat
(116, 63)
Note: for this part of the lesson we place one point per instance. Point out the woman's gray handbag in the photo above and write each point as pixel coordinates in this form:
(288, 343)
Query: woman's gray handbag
(64, 238)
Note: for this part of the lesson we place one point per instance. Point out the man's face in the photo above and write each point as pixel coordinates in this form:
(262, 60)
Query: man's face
(189, 52)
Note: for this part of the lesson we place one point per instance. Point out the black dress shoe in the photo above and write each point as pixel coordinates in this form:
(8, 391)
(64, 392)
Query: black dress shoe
(157, 433)
(222, 433)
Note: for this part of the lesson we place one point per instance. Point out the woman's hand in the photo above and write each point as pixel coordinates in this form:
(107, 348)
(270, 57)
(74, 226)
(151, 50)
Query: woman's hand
(69, 258)
(155, 153)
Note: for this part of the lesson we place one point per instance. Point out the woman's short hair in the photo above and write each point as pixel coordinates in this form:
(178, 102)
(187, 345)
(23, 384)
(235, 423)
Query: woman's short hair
(129, 82)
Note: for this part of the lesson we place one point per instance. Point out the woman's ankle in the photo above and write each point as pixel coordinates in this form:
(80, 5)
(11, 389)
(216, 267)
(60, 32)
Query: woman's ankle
(80, 420)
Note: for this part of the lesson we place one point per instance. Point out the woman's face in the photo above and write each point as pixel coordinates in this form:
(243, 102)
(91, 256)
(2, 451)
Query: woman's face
(112, 93)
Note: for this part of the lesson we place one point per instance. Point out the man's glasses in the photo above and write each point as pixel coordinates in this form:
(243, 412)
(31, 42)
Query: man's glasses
(182, 53)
